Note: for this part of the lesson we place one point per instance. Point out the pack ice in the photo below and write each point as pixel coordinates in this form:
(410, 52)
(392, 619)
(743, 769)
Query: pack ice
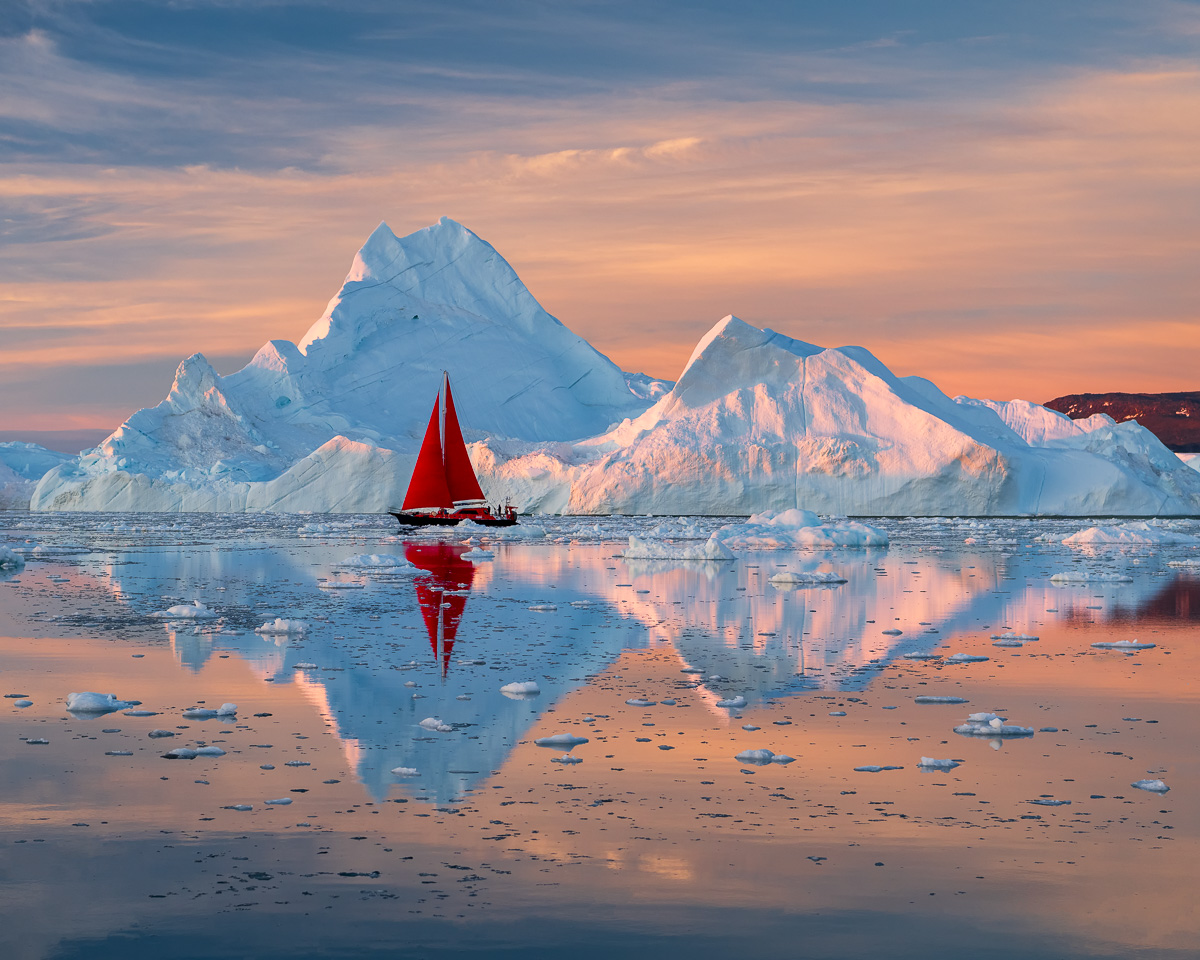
(757, 422)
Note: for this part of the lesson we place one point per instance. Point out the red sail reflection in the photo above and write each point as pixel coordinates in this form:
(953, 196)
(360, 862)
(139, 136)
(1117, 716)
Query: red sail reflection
(441, 592)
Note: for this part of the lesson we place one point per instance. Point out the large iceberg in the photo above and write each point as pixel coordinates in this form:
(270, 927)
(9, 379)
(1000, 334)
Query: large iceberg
(757, 423)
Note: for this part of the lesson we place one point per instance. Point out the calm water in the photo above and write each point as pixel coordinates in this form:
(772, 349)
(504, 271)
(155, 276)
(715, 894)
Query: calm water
(659, 842)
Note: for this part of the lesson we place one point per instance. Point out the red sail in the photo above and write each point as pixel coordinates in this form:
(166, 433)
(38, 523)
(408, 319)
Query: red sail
(460, 475)
(427, 489)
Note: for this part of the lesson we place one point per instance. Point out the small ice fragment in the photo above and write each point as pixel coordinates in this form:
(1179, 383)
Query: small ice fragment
(181, 753)
(965, 658)
(1154, 786)
(281, 802)
(567, 758)
(667, 703)
(281, 627)
(209, 752)
(560, 740)
(837, 713)
(205, 713)
(990, 725)
(478, 553)
(239, 806)
(932, 763)
(640, 703)
(37, 742)
(873, 768)
(140, 713)
(297, 763)
(1010, 635)
(1048, 802)
(941, 700)
(782, 758)
(304, 666)
(96, 703)
(543, 607)
(521, 689)
(1124, 645)
(749, 726)
(794, 578)
(759, 757)
(892, 632)
(734, 702)
(405, 772)
(118, 753)
(921, 656)
(195, 610)
(435, 723)
(22, 703)
(155, 734)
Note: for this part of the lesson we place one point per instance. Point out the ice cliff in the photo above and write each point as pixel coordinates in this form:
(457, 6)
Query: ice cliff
(756, 422)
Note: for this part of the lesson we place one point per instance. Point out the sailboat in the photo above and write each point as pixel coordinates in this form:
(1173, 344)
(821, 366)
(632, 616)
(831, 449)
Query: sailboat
(444, 489)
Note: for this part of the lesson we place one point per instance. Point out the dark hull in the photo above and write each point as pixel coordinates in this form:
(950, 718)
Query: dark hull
(450, 519)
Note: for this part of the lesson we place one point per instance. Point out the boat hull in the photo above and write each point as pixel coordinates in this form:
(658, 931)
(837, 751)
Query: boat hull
(450, 519)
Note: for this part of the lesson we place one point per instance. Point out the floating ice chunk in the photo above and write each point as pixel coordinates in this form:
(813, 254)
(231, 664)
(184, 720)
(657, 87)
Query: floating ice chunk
(477, 554)
(1089, 576)
(802, 578)
(118, 753)
(97, 703)
(405, 772)
(837, 713)
(1010, 635)
(758, 757)
(22, 703)
(795, 528)
(37, 742)
(435, 723)
(750, 726)
(281, 626)
(932, 763)
(782, 758)
(965, 658)
(209, 752)
(733, 702)
(378, 561)
(921, 656)
(1008, 642)
(240, 807)
(195, 610)
(297, 763)
(304, 666)
(990, 725)
(561, 740)
(712, 549)
(281, 802)
(181, 753)
(1154, 786)
(159, 734)
(544, 607)
(893, 632)
(1050, 802)
(206, 713)
(941, 700)
(640, 703)
(874, 768)
(10, 559)
(1124, 645)
(567, 758)
(1139, 532)
(521, 689)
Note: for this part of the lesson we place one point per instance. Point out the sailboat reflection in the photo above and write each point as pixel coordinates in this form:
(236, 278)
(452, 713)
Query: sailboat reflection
(441, 592)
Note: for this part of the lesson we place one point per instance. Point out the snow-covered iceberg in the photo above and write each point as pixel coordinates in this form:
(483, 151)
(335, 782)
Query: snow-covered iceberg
(758, 422)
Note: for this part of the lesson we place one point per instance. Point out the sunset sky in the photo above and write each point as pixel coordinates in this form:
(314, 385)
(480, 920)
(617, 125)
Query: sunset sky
(1002, 197)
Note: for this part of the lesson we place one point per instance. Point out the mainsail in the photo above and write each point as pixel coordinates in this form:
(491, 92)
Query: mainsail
(443, 476)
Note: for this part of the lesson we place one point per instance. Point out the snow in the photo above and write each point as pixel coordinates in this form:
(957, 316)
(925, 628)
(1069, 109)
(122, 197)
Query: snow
(712, 549)
(1137, 533)
(756, 422)
(279, 626)
(89, 702)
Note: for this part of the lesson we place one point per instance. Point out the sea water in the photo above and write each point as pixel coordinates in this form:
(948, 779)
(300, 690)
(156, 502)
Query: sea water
(734, 762)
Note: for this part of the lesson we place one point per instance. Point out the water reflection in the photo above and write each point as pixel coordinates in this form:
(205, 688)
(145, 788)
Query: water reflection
(559, 614)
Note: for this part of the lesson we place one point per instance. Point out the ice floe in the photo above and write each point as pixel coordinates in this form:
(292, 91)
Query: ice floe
(1123, 645)
(281, 627)
(196, 610)
(1136, 533)
(97, 703)
(797, 529)
(560, 740)
(932, 763)
(711, 549)
(1153, 786)
(991, 725)
(932, 699)
(10, 559)
(797, 578)
(521, 689)
(206, 713)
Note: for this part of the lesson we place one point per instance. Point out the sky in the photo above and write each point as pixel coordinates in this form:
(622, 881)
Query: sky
(1001, 197)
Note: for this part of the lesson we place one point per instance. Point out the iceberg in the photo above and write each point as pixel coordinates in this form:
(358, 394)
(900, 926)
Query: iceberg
(758, 423)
